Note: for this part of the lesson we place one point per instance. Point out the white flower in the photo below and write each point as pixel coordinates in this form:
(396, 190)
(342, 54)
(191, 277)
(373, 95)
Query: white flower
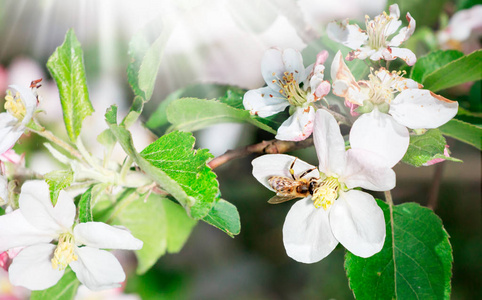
(20, 108)
(335, 212)
(383, 126)
(52, 241)
(464, 30)
(284, 73)
(373, 42)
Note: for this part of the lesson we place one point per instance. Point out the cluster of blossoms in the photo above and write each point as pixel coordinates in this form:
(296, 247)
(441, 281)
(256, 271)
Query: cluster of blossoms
(386, 105)
(43, 239)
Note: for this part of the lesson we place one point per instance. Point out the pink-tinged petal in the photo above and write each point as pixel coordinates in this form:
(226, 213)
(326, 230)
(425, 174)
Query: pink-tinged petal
(16, 231)
(344, 84)
(29, 100)
(422, 109)
(321, 57)
(32, 268)
(101, 235)
(12, 157)
(407, 55)
(297, 127)
(380, 133)
(264, 102)
(352, 108)
(367, 170)
(97, 269)
(269, 165)
(10, 131)
(322, 89)
(404, 33)
(307, 235)
(362, 53)
(358, 223)
(329, 144)
(36, 207)
(349, 35)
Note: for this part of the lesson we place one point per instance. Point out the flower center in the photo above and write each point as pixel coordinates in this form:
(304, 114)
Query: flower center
(326, 193)
(290, 88)
(15, 106)
(64, 253)
(376, 30)
(379, 91)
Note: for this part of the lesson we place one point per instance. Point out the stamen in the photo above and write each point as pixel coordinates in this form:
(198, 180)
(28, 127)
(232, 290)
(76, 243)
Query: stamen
(64, 253)
(290, 88)
(14, 105)
(326, 194)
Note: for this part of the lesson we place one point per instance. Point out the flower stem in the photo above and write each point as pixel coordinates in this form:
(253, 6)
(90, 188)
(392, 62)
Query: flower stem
(61, 143)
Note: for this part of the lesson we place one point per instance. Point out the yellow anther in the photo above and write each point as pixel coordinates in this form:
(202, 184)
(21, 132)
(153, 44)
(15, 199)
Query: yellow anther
(326, 194)
(64, 253)
(15, 106)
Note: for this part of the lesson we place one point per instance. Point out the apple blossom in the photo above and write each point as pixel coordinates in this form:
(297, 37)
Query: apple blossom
(52, 242)
(351, 217)
(373, 42)
(382, 128)
(19, 107)
(289, 84)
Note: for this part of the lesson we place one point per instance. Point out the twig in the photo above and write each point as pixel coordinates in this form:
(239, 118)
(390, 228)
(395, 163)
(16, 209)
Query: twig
(435, 187)
(265, 147)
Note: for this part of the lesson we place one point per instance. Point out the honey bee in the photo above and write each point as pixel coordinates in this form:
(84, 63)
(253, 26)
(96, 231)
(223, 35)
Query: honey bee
(291, 188)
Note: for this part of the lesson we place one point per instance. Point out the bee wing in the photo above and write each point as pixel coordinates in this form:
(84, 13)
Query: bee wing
(280, 199)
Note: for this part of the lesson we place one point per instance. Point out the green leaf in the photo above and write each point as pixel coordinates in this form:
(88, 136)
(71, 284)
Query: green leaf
(431, 62)
(190, 114)
(67, 68)
(415, 262)
(65, 289)
(146, 58)
(464, 69)
(174, 154)
(124, 138)
(85, 207)
(464, 132)
(161, 224)
(224, 216)
(426, 147)
(57, 181)
(418, 9)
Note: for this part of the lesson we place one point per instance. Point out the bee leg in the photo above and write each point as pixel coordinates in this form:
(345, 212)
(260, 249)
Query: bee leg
(292, 171)
(306, 172)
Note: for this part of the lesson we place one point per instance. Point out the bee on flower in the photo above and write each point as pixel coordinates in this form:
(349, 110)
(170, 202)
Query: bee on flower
(332, 211)
(289, 84)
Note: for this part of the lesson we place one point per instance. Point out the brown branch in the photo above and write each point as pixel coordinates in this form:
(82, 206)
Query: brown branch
(265, 147)
(435, 188)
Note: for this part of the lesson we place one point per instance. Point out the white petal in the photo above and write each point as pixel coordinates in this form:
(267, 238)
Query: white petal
(29, 100)
(407, 55)
(422, 109)
(349, 35)
(10, 131)
(16, 231)
(36, 206)
(358, 223)
(367, 170)
(264, 102)
(270, 165)
(307, 234)
(293, 62)
(32, 268)
(298, 126)
(329, 144)
(97, 269)
(404, 33)
(380, 133)
(101, 235)
(395, 81)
